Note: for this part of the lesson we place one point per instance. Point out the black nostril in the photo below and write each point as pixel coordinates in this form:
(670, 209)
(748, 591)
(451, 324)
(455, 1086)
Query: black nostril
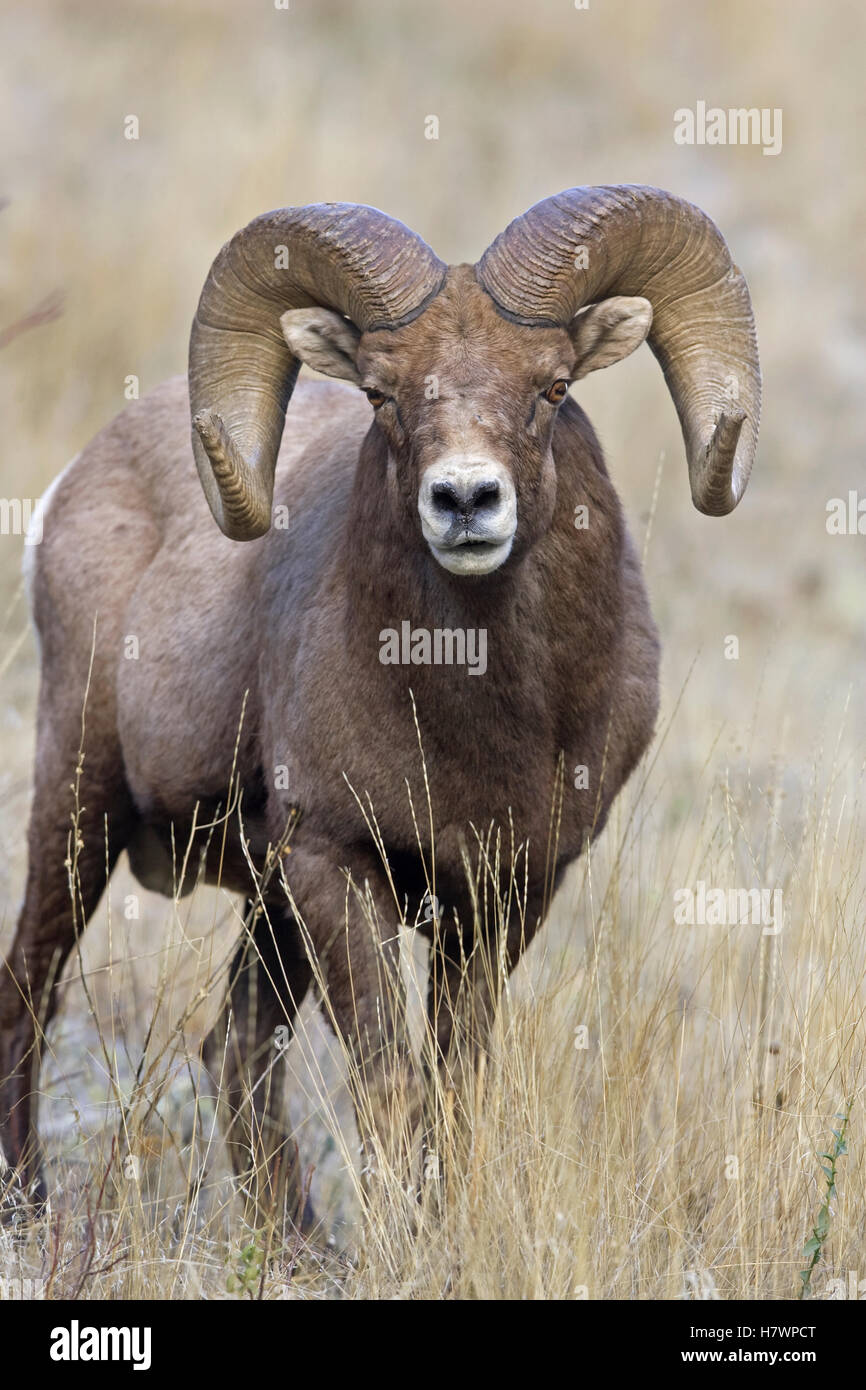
(446, 498)
(485, 495)
(456, 501)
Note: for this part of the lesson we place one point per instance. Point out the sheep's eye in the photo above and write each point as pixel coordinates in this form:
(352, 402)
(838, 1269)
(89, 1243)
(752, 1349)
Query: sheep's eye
(376, 398)
(557, 392)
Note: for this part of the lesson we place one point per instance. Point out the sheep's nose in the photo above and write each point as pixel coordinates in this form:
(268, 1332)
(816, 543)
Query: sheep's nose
(455, 498)
(468, 511)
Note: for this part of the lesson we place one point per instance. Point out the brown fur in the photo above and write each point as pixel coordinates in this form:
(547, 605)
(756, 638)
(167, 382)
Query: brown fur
(294, 620)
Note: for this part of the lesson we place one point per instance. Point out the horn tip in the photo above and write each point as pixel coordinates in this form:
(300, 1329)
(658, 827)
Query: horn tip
(208, 426)
(718, 484)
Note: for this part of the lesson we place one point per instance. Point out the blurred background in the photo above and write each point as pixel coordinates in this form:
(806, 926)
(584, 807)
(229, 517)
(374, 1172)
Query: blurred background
(242, 107)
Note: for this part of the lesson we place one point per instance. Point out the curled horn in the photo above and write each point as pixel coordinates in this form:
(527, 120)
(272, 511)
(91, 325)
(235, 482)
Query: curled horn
(587, 244)
(339, 256)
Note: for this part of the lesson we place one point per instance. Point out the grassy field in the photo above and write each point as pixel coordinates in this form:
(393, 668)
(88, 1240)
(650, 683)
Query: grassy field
(650, 1123)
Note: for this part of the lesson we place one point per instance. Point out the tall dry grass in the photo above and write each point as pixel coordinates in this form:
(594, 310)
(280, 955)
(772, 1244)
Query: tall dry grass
(647, 1124)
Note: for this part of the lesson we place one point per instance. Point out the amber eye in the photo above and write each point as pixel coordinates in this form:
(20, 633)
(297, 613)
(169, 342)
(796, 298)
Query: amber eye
(376, 398)
(557, 392)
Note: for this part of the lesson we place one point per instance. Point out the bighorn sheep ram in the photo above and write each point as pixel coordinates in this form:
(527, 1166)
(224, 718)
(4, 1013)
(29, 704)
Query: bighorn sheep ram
(436, 502)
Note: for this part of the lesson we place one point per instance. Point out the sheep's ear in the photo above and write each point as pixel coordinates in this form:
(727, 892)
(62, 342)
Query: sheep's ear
(324, 340)
(606, 332)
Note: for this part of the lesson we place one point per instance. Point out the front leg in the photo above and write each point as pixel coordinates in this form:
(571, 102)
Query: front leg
(468, 971)
(349, 919)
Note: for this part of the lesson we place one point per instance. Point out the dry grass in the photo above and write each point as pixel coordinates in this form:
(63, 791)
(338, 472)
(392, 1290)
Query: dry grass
(647, 1126)
(601, 1168)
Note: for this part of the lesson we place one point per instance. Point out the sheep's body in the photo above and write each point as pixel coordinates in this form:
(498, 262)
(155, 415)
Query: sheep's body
(319, 707)
(252, 676)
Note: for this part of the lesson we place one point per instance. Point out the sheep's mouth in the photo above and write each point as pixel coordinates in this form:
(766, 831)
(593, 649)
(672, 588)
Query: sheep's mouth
(472, 554)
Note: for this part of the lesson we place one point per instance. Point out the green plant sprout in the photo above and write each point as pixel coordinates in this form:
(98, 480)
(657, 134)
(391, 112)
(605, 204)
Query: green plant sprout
(821, 1230)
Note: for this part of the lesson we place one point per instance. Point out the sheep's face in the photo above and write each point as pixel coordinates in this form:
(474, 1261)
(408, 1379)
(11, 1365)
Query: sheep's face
(467, 403)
